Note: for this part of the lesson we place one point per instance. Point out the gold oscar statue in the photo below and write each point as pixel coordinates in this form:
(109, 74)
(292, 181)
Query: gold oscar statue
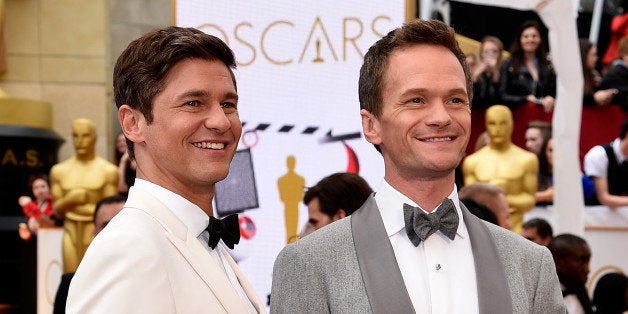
(77, 184)
(505, 165)
(291, 189)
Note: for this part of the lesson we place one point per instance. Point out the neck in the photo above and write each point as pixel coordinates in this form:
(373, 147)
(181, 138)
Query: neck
(428, 193)
(529, 55)
(201, 196)
(623, 146)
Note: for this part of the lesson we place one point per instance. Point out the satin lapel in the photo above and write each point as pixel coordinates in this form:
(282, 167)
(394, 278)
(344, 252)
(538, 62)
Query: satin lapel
(210, 271)
(384, 284)
(246, 285)
(493, 291)
(190, 248)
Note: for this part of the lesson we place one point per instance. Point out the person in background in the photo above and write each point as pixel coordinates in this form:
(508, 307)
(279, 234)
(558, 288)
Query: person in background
(126, 166)
(483, 140)
(610, 295)
(618, 29)
(528, 75)
(412, 247)
(335, 197)
(165, 252)
(592, 95)
(38, 211)
(617, 77)
(607, 166)
(486, 74)
(479, 210)
(537, 132)
(490, 196)
(538, 230)
(545, 193)
(105, 210)
(572, 255)
(472, 60)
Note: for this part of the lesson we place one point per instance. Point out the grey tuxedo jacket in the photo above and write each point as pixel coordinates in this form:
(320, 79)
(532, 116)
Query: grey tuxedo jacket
(350, 267)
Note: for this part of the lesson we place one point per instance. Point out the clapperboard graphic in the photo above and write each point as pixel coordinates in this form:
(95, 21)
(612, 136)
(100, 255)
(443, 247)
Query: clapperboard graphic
(238, 192)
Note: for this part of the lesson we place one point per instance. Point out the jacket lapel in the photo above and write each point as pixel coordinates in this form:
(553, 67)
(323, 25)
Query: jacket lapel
(493, 291)
(384, 284)
(206, 267)
(246, 285)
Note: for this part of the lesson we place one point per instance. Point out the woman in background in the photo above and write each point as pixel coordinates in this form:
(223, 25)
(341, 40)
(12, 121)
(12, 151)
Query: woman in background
(486, 74)
(528, 75)
(617, 77)
(592, 78)
(545, 189)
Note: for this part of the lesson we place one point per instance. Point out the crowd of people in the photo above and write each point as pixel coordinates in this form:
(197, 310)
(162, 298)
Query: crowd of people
(524, 75)
(362, 253)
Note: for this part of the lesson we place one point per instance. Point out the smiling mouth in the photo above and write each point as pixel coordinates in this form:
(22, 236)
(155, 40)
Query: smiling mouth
(437, 139)
(208, 145)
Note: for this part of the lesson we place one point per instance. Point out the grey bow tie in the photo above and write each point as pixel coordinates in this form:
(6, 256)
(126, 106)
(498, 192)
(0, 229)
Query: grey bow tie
(420, 225)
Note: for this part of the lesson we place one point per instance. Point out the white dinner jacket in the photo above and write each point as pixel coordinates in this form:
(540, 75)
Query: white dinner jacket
(147, 261)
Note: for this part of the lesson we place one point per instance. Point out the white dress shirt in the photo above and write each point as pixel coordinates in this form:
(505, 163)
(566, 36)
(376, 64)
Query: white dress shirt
(596, 160)
(439, 274)
(196, 220)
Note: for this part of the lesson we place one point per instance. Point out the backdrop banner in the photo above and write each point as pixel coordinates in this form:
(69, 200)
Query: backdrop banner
(297, 79)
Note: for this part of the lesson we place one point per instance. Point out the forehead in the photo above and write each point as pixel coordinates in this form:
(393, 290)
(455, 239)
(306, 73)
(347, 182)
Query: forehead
(40, 182)
(530, 31)
(533, 132)
(198, 66)
(489, 45)
(530, 232)
(314, 205)
(425, 63)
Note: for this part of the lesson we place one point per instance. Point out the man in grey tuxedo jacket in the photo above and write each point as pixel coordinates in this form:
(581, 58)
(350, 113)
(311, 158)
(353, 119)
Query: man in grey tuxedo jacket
(412, 247)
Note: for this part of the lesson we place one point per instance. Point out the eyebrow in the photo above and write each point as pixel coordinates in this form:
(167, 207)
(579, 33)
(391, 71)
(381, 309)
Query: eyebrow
(202, 93)
(411, 91)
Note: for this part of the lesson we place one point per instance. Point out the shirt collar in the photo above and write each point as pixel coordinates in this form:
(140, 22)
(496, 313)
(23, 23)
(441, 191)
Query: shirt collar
(192, 216)
(388, 198)
(617, 150)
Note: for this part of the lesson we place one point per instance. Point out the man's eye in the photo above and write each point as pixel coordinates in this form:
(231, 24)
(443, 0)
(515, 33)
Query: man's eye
(228, 105)
(460, 101)
(192, 103)
(415, 100)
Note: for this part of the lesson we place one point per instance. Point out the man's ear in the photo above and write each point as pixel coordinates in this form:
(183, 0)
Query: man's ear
(370, 127)
(339, 215)
(132, 123)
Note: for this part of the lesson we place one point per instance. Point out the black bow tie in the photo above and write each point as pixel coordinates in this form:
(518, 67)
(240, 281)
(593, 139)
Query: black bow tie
(227, 229)
(420, 225)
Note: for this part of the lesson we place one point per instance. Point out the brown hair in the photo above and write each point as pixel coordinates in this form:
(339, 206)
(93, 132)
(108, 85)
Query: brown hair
(347, 191)
(589, 78)
(517, 53)
(140, 72)
(494, 40)
(416, 32)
